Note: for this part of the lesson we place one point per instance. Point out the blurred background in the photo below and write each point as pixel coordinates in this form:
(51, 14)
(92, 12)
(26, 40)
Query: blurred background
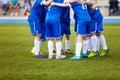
(107, 7)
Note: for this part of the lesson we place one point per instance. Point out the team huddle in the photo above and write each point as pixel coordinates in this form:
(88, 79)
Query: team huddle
(50, 19)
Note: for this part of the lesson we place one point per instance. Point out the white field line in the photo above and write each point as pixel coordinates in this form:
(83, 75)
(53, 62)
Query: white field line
(113, 27)
(8, 28)
(24, 17)
(12, 18)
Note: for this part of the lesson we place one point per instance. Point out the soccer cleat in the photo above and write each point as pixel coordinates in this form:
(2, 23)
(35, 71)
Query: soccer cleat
(62, 52)
(60, 57)
(68, 51)
(54, 52)
(32, 51)
(40, 56)
(92, 54)
(104, 52)
(50, 57)
(88, 52)
(85, 55)
(98, 53)
(76, 58)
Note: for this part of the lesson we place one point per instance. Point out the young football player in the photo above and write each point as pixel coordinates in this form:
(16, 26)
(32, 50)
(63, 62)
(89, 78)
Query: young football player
(37, 25)
(53, 29)
(83, 19)
(96, 29)
(65, 27)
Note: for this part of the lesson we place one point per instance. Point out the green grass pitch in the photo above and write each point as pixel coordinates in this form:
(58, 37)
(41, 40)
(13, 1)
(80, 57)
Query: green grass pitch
(17, 63)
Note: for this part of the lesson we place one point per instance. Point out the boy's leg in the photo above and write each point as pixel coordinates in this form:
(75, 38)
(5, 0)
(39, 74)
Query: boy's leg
(103, 42)
(37, 45)
(104, 45)
(85, 47)
(98, 46)
(89, 44)
(58, 49)
(94, 46)
(67, 45)
(50, 48)
(78, 48)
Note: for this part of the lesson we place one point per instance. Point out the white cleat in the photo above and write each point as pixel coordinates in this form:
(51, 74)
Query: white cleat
(60, 57)
(50, 57)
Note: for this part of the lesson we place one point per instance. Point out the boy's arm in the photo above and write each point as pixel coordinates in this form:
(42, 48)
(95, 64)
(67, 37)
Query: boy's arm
(93, 5)
(97, 6)
(70, 1)
(47, 3)
(59, 4)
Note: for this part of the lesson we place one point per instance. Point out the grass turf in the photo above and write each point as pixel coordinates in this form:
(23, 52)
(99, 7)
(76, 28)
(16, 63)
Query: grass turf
(17, 63)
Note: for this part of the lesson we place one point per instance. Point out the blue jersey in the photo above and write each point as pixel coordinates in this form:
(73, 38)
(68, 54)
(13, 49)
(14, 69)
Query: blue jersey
(75, 25)
(95, 14)
(65, 21)
(53, 29)
(80, 11)
(54, 12)
(65, 16)
(97, 18)
(37, 11)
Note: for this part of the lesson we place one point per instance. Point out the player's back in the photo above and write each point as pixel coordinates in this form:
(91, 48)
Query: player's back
(80, 11)
(36, 6)
(95, 14)
(55, 11)
(37, 11)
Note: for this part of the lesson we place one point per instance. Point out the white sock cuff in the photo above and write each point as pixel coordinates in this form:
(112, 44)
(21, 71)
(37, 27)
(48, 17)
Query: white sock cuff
(58, 48)
(50, 47)
(78, 48)
(85, 46)
(67, 42)
(37, 44)
(93, 37)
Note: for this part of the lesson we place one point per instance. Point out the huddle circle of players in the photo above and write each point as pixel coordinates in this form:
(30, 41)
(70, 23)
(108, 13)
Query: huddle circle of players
(51, 20)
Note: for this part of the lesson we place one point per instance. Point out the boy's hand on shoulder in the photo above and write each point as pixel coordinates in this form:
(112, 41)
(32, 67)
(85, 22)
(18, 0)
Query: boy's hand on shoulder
(52, 3)
(43, 2)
